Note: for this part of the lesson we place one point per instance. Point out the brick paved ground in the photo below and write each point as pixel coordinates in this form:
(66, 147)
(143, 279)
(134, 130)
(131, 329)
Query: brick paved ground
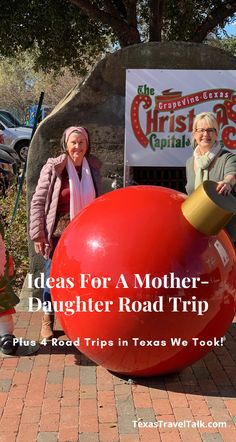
(59, 395)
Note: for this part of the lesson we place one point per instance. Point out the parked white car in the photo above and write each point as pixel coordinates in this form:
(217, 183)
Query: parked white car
(11, 117)
(16, 137)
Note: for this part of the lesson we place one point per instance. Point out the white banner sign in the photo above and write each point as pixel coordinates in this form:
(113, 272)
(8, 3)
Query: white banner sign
(160, 109)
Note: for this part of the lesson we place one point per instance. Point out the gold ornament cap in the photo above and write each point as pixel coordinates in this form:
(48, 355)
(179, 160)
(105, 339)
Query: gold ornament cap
(207, 210)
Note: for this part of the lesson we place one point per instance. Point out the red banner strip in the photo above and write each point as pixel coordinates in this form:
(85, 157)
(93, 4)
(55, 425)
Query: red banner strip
(164, 105)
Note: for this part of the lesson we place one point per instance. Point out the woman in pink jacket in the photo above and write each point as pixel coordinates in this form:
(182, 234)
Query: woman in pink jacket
(66, 185)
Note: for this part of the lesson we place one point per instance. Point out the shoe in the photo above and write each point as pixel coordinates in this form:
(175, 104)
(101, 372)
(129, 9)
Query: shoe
(47, 327)
(7, 346)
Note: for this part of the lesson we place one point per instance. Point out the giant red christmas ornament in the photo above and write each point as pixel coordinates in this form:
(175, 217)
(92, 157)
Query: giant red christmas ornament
(142, 291)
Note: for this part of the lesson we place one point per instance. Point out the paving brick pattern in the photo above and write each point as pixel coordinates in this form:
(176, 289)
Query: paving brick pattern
(59, 395)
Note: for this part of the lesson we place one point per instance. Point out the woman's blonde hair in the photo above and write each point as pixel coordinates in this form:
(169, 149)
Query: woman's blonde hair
(209, 118)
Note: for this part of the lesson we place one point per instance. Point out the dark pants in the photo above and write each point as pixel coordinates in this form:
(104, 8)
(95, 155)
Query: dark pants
(47, 267)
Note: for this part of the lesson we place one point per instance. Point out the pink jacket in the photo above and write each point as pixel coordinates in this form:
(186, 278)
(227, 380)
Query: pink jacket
(44, 203)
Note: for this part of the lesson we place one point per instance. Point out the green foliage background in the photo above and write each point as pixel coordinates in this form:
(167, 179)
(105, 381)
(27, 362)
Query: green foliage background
(75, 33)
(16, 233)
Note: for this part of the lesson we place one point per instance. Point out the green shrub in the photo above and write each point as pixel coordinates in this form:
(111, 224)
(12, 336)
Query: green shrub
(16, 232)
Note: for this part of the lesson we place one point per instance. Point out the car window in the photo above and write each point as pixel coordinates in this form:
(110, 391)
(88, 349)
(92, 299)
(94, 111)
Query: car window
(11, 118)
(6, 121)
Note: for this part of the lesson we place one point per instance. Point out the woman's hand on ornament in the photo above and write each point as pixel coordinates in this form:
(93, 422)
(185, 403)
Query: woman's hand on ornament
(224, 187)
(39, 247)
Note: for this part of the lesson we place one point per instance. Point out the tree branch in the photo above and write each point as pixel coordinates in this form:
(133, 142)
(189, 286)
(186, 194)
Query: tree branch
(131, 8)
(110, 16)
(156, 19)
(111, 9)
(215, 17)
(120, 7)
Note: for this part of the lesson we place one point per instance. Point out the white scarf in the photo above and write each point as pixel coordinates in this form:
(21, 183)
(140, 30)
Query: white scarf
(203, 162)
(82, 191)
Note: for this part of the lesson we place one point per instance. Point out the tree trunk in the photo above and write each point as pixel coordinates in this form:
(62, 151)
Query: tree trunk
(156, 19)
